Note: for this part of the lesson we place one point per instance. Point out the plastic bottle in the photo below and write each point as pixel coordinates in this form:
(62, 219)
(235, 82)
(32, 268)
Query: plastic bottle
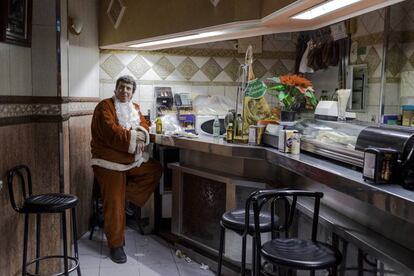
(216, 127)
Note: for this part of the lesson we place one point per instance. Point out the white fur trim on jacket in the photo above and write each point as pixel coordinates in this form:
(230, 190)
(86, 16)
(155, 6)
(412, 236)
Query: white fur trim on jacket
(133, 142)
(116, 166)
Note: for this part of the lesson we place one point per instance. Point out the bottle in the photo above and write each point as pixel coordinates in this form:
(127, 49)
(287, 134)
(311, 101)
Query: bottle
(229, 133)
(216, 127)
(238, 125)
(158, 125)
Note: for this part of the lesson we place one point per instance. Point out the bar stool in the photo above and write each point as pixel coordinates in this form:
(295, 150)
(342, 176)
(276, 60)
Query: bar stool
(43, 204)
(241, 221)
(294, 253)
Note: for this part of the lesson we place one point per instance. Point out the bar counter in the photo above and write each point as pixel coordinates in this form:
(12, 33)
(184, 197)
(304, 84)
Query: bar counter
(378, 219)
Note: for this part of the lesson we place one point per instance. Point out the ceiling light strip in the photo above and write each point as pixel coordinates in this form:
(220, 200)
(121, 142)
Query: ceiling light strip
(323, 8)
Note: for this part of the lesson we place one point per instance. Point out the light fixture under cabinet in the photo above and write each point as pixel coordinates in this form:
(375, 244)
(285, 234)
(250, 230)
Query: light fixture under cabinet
(175, 39)
(324, 8)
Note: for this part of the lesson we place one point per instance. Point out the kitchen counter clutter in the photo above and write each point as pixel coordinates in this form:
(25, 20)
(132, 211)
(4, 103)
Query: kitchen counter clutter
(376, 218)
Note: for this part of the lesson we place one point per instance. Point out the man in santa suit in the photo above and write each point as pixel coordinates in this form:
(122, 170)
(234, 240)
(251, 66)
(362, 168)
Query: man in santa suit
(120, 162)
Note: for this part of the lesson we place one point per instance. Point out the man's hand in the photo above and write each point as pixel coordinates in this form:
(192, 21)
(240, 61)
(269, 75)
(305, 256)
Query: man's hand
(141, 136)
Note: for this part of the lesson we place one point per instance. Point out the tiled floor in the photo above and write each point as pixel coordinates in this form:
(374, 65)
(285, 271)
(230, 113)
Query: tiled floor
(147, 256)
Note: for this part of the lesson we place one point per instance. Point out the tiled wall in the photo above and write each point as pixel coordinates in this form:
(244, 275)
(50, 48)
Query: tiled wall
(368, 42)
(208, 69)
(400, 55)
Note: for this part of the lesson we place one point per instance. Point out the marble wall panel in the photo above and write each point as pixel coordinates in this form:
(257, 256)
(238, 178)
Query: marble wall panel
(35, 145)
(81, 174)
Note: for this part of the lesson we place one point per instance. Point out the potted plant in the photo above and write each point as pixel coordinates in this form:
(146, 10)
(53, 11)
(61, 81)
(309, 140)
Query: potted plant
(293, 92)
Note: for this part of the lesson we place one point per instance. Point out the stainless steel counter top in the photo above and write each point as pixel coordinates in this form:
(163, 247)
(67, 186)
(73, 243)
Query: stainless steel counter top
(304, 164)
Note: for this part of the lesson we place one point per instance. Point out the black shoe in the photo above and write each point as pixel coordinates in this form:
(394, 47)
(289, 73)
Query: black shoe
(118, 255)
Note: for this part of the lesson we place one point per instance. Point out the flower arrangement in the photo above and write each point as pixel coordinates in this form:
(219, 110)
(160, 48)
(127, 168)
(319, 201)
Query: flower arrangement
(292, 91)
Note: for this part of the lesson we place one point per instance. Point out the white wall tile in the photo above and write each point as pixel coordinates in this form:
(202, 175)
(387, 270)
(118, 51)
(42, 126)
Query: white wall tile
(4, 69)
(181, 89)
(373, 97)
(391, 94)
(176, 60)
(199, 90)
(200, 61)
(103, 75)
(231, 92)
(150, 75)
(146, 92)
(222, 61)
(108, 90)
(44, 61)
(20, 71)
(126, 58)
(216, 90)
(151, 59)
(175, 76)
(199, 76)
(223, 77)
(145, 106)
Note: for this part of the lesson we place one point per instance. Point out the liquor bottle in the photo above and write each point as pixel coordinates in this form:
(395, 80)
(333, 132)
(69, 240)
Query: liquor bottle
(158, 125)
(229, 133)
(216, 127)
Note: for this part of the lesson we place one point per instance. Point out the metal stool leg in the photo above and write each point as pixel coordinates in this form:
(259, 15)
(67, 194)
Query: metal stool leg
(360, 263)
(75, 238)
(38, 221)
(65, 244)
(222, 234)
(26, 236)
(243, 260)
(255, 269)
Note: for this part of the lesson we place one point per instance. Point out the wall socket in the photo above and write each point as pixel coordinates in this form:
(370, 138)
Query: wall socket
(1, 185)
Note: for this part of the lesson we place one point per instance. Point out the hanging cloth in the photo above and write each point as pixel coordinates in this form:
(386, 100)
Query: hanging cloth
(303, 66)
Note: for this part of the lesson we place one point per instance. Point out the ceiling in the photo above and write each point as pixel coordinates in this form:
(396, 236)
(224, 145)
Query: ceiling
(277, 22)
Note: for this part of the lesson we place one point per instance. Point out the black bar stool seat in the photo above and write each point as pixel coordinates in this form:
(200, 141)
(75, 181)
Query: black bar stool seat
(235, 220)
(40, 204)
(298, 253)
(49, 203)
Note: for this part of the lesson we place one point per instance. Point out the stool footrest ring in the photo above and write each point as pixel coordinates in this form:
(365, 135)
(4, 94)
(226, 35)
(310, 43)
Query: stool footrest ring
(70, 258)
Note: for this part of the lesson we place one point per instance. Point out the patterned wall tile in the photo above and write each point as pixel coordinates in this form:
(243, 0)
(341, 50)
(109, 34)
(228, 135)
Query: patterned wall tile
(138, 67)
(373, 60)
(258, 69)
(396, 60)
(163, 68)
(279, 68)
(211, 69)
(187, 68)
(232, 69)
(112, 66)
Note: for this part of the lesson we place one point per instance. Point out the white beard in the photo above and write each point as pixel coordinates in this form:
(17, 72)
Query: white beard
(127, 114)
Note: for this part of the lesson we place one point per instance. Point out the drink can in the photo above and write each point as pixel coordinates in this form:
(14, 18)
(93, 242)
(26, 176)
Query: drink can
(295, 142)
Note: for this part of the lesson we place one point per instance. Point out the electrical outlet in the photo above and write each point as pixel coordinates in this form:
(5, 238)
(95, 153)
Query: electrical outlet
(1, 185)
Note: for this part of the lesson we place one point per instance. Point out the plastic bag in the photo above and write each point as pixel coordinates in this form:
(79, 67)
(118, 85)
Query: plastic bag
(213, 105)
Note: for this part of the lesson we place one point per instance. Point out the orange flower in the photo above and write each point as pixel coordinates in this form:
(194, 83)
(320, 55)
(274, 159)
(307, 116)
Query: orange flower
(295, 80)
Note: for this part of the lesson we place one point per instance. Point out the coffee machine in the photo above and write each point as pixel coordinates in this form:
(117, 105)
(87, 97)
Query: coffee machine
(164, 100)
(383, 141)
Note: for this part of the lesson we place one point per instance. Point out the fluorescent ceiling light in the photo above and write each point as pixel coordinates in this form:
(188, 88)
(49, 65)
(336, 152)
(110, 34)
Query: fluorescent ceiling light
(176, 39)
(324, 8)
